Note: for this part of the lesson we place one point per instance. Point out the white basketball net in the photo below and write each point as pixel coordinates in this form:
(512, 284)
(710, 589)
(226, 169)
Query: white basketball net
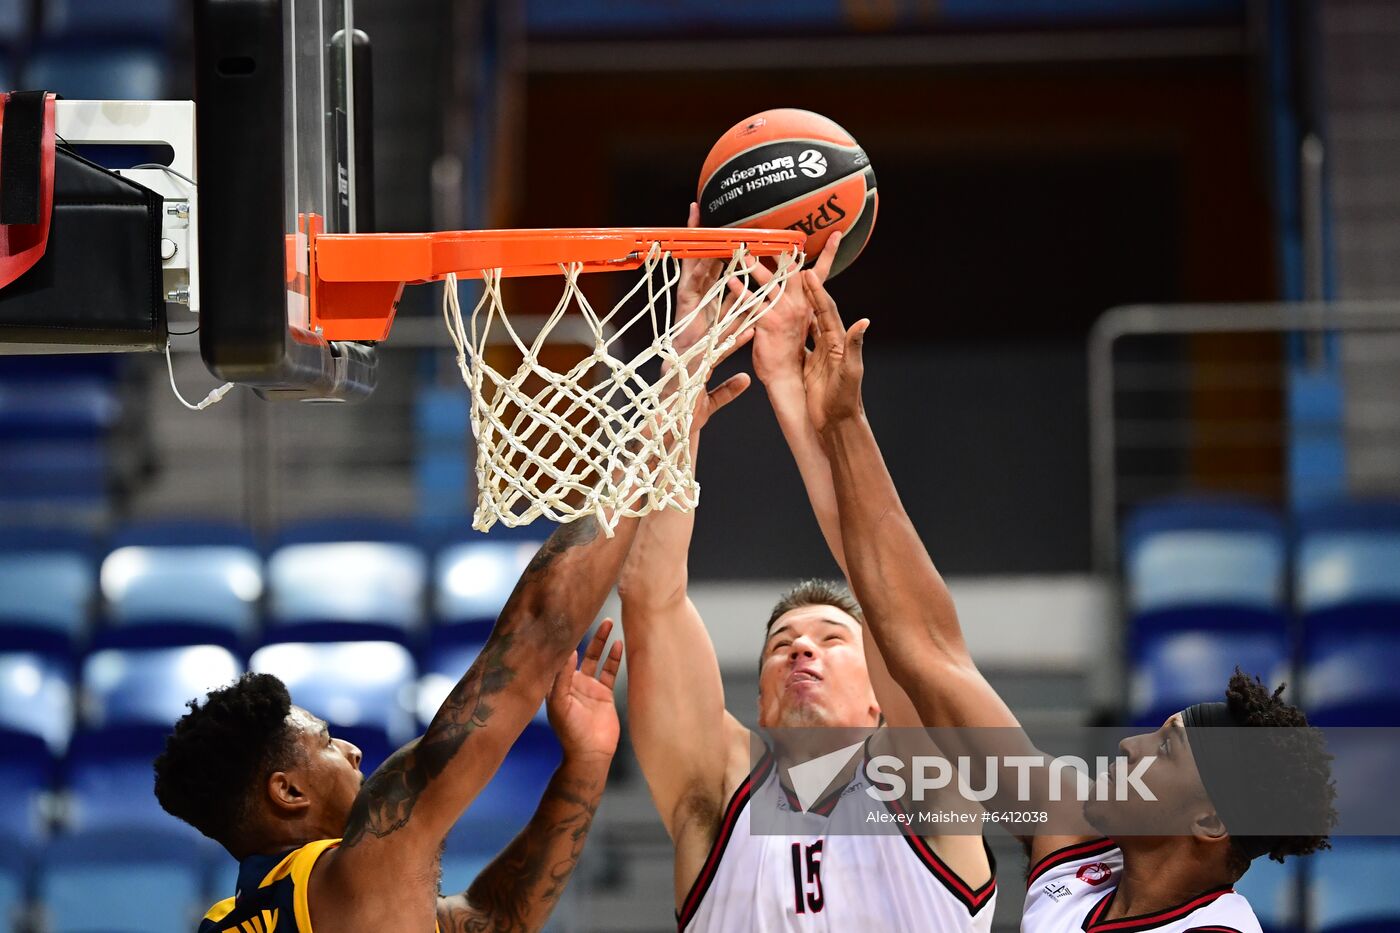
(599, 439)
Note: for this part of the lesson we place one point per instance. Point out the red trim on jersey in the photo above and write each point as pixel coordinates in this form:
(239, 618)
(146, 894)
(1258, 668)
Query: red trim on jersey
(973, 899)
(726, 830)
(1091, 922)
(1069, 853)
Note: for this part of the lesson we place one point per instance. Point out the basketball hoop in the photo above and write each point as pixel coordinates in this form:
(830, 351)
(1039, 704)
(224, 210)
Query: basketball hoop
(599, 438)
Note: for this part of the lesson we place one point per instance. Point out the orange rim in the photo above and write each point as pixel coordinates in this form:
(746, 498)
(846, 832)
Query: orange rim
(358, 278)
(425, 257)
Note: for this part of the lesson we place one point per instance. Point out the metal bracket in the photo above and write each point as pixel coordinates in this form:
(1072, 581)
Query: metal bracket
(124, 122)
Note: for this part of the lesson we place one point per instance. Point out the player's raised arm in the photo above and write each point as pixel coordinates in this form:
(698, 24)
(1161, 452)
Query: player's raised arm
(406, 807)
(680, 730)
(780, 357)
(675, 697)
(518, 890)
(908, 605)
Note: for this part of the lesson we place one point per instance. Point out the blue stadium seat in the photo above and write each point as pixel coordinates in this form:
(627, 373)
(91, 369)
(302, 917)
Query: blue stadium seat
(363, 689)
(109, 366)
(476, 839)
(1349, 663)
(1272, 889)
(150, 20)
(67, 473)
(1352, 886)
(1348, 553)
(518, 784)
(441, 669)
(340, 581)
(131, 699)
(36, 698)
(127, 882)
(108, 783)
(463, 858)
(14, 881)
(181, 584)
(14, 17)
(502, 808)
(472, 581)
(26, 777)
(1174, 669)
(1192, 554)
(46, 589)
(96, 72)
(78, 407)
(140, 687)
(1364, 764)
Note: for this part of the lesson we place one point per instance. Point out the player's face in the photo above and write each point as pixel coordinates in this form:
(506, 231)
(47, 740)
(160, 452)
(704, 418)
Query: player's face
(1172, 778)
(331, 769)
(814, 672)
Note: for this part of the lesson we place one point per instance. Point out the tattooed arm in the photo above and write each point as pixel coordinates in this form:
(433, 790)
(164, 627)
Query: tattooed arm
(519, 889)
(383, 874)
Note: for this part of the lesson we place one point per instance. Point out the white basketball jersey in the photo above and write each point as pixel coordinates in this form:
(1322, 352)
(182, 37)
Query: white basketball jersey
(1071, 891)
(830, 879)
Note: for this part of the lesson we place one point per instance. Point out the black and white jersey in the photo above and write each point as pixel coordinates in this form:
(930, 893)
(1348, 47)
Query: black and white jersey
(1071, 891)
(829, 879)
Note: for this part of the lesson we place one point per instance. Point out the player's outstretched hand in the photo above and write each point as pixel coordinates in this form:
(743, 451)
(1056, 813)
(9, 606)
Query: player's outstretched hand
(835, 366)
(780, 344)
(698, 277)
(580, 704)
(710, 400)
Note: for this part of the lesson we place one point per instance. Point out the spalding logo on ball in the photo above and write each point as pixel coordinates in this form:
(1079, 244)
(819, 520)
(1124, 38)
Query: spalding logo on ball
(792, 169)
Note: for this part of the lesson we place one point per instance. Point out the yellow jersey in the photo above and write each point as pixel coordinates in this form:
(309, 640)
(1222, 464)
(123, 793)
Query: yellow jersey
(271, 895)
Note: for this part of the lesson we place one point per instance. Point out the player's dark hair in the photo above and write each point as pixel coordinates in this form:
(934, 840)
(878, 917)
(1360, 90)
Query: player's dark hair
(1308, 787)
(815, 593)
(219, 753)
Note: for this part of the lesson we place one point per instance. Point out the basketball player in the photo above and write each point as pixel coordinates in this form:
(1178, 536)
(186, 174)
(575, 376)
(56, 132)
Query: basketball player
(1095, 875)
(318, 843)
(817, 668)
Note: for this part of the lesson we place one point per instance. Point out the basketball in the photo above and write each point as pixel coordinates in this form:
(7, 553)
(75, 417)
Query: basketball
(792, 169)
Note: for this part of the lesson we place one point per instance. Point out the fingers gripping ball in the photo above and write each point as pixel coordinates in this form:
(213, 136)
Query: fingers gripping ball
(792, 169)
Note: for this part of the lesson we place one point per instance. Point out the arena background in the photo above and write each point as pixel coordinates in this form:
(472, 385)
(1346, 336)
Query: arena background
(1040, 162)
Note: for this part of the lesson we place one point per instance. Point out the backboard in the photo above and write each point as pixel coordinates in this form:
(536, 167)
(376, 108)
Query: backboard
(283, 114)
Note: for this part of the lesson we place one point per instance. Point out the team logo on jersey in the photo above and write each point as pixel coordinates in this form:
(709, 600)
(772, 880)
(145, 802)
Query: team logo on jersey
(811, 778)
(1094, 873)
(267, 923)
(1056, 891)
(812, 163)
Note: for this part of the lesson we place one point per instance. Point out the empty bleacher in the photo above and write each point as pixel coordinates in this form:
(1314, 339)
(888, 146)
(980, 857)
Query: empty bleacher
(103, 641)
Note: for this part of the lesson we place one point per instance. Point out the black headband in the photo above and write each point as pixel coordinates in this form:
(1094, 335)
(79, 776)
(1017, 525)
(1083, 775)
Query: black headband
(1233, 772)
